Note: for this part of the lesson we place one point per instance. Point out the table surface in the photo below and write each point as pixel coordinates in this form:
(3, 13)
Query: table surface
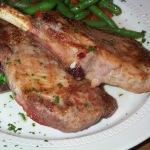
(143, 146)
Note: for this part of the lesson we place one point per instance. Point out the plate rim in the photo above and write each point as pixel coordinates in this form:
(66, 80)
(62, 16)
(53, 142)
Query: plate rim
(97, 137)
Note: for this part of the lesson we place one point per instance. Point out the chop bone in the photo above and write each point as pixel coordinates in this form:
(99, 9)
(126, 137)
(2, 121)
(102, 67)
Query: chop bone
(15, 17)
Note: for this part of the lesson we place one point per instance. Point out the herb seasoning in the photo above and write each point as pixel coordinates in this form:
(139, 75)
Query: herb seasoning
(56, 100)
(60, 85)
(23, 116)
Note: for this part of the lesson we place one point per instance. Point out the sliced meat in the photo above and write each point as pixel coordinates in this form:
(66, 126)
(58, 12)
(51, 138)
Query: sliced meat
(47, 93)
(84, 52)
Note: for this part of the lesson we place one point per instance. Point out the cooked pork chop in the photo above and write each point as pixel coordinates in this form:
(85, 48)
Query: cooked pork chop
(48, 94)
(84, 52)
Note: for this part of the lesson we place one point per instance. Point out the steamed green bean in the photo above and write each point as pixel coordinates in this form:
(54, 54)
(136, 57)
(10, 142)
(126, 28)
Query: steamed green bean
(83, 5)
(95, 10)
(64, 9)
(110, 6)
(81, 15)
(97, 24)
(78, 11)
(44, 6)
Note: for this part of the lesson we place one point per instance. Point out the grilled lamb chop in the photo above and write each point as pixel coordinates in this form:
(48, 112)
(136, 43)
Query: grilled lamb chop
(48, 94)
(84, 52)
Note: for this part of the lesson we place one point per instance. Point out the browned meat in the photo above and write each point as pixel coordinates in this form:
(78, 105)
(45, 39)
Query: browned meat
(99, 56)
(48, 94)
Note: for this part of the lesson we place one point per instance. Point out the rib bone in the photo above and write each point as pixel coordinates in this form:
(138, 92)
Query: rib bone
(15, 17)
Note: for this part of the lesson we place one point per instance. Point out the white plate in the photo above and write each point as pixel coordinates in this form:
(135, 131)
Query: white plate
(125, 129)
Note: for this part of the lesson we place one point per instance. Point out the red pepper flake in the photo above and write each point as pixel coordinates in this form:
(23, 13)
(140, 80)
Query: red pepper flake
(92, 16)
(74, 2)
(38, 13)
(108, 13)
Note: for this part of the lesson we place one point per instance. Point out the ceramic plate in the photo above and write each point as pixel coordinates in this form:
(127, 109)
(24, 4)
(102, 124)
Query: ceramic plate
(125, 129)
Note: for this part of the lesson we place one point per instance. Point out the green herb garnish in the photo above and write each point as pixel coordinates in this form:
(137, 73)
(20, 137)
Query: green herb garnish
(2, 78)
(86, 104)
(60, 85)
(45, 140)
(56, 100)
(76, 30)
(44, 77)
(91, 49)
(18, 61)
(23, 116)
(33, 124)
(11, 97)
(27, 91)
(11, 127)
(7, 60)
(120, 95)
(41, 100)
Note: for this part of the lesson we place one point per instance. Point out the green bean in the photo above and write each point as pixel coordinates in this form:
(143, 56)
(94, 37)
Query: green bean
(22, 5)
(82, 5)
(64, 9)
(125, 32)
(18, 4)
(81, 15)
(68, 3)
(9, 2)
(44, 6)
(78, 12)
(128, 33)
(95, 10)
(110, 6)
(97, 24)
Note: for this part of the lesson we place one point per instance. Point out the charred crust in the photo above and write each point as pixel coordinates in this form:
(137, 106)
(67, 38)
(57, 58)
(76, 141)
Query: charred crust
(50, 17)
